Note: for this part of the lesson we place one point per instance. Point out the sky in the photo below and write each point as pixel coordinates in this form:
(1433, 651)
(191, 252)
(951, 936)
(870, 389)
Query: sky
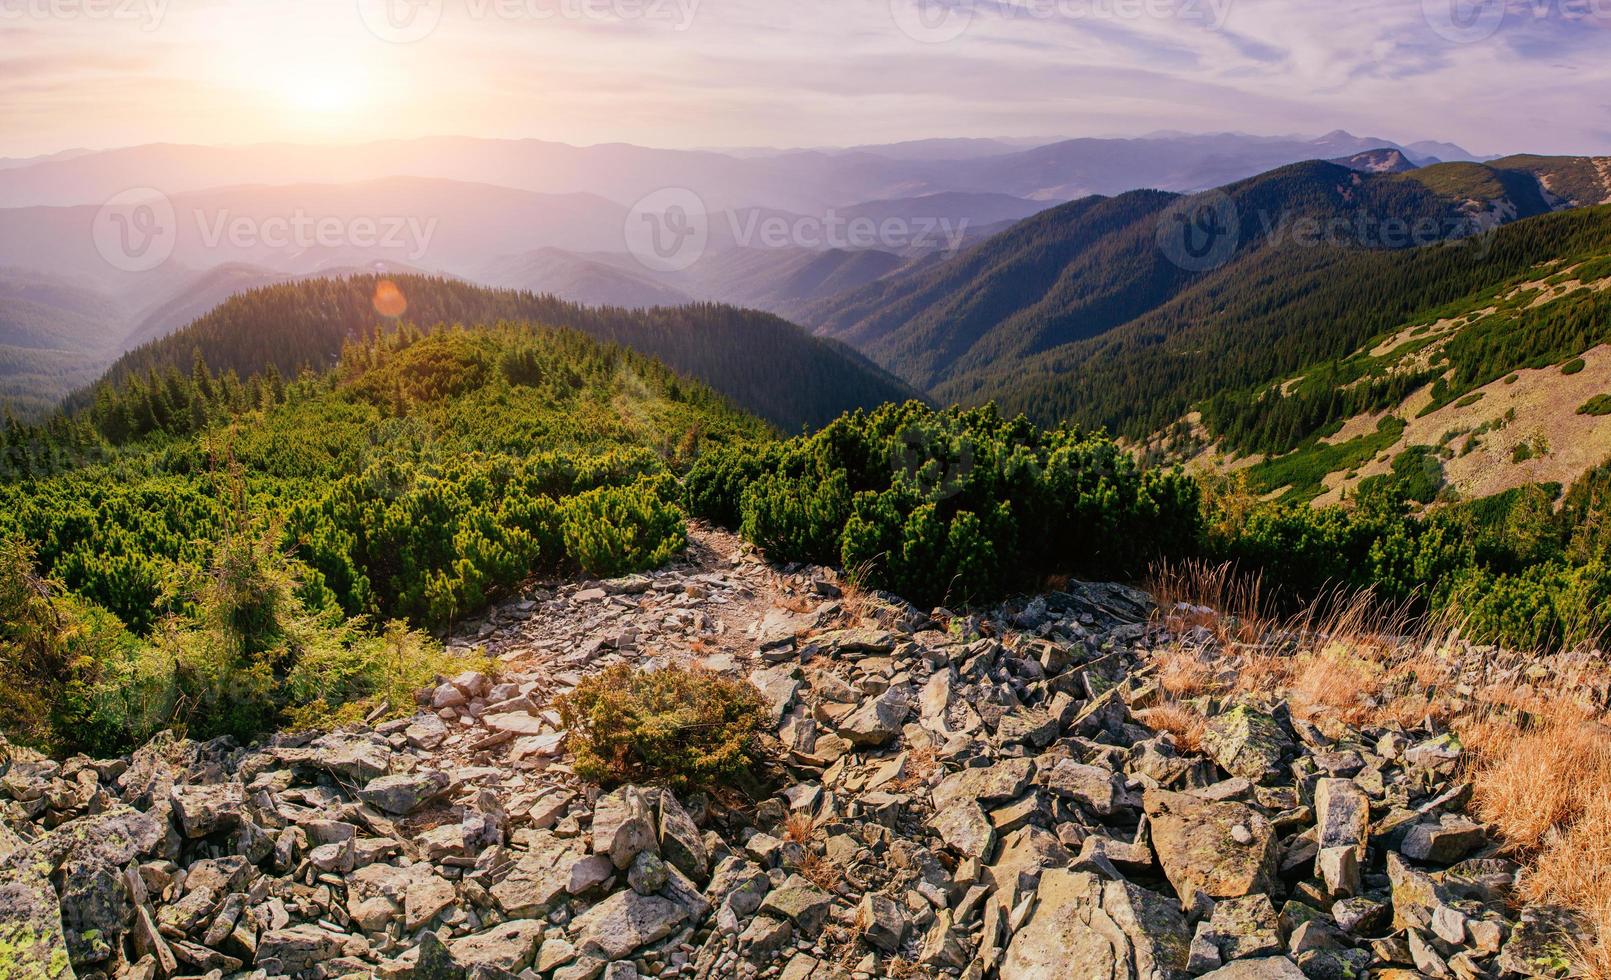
(1495, 76)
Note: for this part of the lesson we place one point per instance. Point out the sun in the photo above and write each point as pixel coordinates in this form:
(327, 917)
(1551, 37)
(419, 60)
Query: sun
(324, 91)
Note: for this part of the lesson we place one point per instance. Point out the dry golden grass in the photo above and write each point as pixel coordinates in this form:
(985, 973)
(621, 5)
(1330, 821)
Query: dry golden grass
(1539, 762)
(798, 604)
(1197, 593)
(1179, 720)
(821, 872)
(920, 765)
(799, 828)
(855, 596)
(1183, 675)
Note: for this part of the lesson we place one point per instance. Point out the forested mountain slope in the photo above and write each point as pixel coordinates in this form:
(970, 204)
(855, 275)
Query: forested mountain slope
(764, 364)
(1076, 272)
(1252, 323)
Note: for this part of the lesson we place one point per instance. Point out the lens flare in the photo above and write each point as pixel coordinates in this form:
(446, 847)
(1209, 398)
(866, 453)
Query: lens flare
(389, 301)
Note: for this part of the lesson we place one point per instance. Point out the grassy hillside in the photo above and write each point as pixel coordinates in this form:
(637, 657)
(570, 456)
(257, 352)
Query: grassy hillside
(737, 352)
(1284, 311)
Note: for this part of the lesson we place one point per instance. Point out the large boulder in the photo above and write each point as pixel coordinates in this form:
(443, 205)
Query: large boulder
(1109, 929)
(540, 879)
(1268, 968)
(680, 840)
(299, 949)
(404, 793)
(875, 723)
(203, 810)
(511, 946)
(623, 826)
(1247, 743)
(1223, 850)
(995, 783)
(624, 922)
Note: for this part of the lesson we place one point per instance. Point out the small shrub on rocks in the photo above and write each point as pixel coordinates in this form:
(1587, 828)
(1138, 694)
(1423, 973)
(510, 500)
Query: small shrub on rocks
(687, 727)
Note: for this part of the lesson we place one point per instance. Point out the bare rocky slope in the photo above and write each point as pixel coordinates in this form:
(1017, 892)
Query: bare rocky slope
(969, 796)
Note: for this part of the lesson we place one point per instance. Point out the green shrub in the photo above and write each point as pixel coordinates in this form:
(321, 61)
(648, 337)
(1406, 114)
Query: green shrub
(796, 520)
(1599, 405)
(1574, 366)
(953, 506)
(341, 684)
(1418, 473)
(54, 649)
(689, 728)
(617, 530)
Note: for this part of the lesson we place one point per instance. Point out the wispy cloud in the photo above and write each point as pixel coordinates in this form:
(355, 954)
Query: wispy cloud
(760, 72)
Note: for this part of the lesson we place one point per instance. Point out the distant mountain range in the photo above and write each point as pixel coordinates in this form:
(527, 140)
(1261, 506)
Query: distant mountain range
(805, 181)
(990, 266)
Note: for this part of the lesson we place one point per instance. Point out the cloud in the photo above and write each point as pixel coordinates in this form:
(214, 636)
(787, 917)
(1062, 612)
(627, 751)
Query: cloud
(761, 72)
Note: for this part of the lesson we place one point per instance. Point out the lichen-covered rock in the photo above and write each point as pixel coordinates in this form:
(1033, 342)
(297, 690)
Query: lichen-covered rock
(1543, 944)
(31, 939)
(801, 902)
(1111, 929)
(1247, 743)
(1223, 850)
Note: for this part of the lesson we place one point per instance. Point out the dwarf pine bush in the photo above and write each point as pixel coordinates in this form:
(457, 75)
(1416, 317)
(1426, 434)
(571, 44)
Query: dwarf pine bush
(686, 727)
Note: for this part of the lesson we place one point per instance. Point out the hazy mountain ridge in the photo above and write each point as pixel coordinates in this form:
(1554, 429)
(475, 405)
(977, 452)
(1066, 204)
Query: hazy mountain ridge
(737, 352)
(800, 180)
(1074, 272)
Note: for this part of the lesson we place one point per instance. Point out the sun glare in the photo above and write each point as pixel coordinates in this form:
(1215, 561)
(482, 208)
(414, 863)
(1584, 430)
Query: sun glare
(324, 92)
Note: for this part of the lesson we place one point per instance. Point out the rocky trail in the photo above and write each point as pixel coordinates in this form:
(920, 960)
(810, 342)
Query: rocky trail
(968, 796)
